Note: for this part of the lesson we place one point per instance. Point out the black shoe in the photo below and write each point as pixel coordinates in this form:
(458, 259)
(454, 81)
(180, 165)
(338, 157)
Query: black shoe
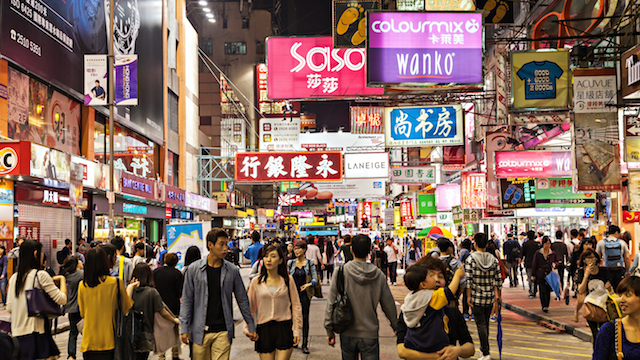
(575, 295)
(545, 309)
(532, 296)
(305, 350)
(295, 346)
(566, 300)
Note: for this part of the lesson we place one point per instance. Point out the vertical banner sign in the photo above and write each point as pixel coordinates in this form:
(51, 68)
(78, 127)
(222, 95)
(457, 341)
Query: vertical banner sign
(634, 190)
(632, 138)
(349, 23)
(540, 79)
(427, 204)
(453, 157)
(518, 193)
(474, 190)
(445, 48)
(502, 100)
(447, 196)
(594, 90)
(367, 120)
(424, 126)
(457, 214)
(126, 68)
(630, 65)
(95, 80)
(75, 183)
(495, 141)
(596, 142)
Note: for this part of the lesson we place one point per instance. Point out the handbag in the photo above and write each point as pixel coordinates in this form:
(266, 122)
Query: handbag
(165, 332)
(123, 349)
(40, 304)
(341, 311)
(594, 308)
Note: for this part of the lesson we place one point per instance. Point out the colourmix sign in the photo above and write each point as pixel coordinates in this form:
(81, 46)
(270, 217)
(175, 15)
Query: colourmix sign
(424, 126)
(510, 164)
(425, 48)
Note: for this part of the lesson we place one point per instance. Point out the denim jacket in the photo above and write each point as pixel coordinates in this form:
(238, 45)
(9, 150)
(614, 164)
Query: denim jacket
(195, 299)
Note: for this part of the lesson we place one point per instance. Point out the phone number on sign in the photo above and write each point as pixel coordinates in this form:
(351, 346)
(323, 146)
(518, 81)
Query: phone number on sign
(24, 41)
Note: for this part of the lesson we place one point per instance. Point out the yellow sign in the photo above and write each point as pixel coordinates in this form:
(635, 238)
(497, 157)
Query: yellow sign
(540, 79)
(397, 221)
(401, 233)
(242, 214)
(291, 220)
(251, 212)
(269, 212)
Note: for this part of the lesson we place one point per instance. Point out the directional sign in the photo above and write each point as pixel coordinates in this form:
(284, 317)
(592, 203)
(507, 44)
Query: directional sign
(633, 125)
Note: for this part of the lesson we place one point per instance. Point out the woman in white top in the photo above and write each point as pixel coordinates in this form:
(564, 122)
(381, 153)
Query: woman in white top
(33, 333)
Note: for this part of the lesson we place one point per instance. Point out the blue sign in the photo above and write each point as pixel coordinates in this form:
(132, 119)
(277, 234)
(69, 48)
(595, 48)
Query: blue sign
(134, 209)
(6, 196)
(181, 214)
(270, 226)
(182, 236)
(424, 126)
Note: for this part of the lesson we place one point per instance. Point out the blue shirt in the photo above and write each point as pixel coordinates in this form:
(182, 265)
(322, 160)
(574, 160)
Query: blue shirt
(540, 79)
(195, 299)
(252, 252)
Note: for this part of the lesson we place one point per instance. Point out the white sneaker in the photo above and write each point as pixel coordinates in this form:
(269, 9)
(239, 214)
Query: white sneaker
(486, 357)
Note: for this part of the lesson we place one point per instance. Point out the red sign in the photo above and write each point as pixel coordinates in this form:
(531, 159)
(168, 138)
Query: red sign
(135, 185)
(29, 229)
(367, 120)
(10, 154)
(474, 191)
(168, 212)
(290, 200)
(630, 217)
(453, 157)
(309, 67)
(289, 166)
(406, 213)
(174, 195)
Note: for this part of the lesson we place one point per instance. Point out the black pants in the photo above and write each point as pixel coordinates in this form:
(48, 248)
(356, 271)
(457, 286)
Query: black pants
(595, 327)
(545, 292)
(393, 271)
(329, 268)
(615, 276)
(306, 304)
(465, 304)
(482, 315)
(142, 355)
(98, 355)
(320, 273)
(561, 268)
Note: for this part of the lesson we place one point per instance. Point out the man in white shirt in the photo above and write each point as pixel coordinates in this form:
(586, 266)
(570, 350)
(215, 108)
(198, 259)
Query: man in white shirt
(313, 253)
(139, 254)
(392, 260)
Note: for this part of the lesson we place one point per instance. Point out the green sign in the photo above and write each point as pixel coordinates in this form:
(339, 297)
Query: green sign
(558, 193)
(133, 225)
(470, 216)
(469, 229)
(427, 204)
(457, 214)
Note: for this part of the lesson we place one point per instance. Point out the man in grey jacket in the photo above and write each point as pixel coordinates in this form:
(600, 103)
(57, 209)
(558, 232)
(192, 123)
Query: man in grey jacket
(366, 287)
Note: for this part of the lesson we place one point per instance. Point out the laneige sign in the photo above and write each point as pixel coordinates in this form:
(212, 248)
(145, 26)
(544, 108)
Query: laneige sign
(366, 165)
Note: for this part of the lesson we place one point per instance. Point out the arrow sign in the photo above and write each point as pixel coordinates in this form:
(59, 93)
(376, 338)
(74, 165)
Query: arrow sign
(633, 131)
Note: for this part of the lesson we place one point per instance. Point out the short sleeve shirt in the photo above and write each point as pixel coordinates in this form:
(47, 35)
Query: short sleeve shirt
(540, 79)
(147, 300)
(623, 248)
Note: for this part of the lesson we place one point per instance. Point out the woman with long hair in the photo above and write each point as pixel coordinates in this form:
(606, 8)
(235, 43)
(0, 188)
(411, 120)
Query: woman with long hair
(330, 254)
(72, 271)
(275, 304)
(544, 261)
(290, 252)
(4, 261)
(305, 277)
(413, 255)
(193, 254)
(147, 300)
(33, 333)
(98, 303)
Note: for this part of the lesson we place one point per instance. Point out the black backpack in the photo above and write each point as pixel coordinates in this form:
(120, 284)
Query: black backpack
(341, 313)
(61, 256)
(516, 251)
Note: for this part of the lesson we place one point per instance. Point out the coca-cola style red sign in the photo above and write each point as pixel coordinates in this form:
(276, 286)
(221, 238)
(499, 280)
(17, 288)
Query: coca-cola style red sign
(289, 166)
(309, 67)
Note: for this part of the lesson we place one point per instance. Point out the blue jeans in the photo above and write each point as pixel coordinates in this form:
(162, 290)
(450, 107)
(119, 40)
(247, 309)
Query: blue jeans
(3, 290)
(368, 349)
(74, 319)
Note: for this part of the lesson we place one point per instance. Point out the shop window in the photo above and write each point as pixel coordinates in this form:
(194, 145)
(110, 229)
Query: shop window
(173, 111)
(133, 152)
(208, 48)
(235, 48)
(173, 169)
(245, 22)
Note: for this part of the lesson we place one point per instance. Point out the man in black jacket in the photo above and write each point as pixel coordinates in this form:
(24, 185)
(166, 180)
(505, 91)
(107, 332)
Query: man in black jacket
(513, 253)
(562, 254)
(529, 249)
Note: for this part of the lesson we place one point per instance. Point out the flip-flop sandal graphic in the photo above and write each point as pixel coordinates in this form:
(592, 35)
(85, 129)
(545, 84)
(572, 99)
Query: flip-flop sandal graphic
(516, 196)
(360, 35)
(348, 17)
(510, 190)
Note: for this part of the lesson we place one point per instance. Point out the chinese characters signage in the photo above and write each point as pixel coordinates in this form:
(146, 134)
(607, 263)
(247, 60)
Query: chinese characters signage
(558, 192)
(474, 191)
(447, 196)
(594, 90)
(427, 204)
(424, 47)
(267, 107)
(540, 79)
(533, 164)
(414, 175)
(367, 120)
(309, 67)
(347, 16)
(632, 138)
(518, 193)
(279, 135)
(288, 166)
(424, 126)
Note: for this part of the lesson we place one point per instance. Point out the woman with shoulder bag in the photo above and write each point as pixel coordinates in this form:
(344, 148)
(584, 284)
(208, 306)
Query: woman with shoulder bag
(72, 271)
(544, 261)
(147, 300)
(620, 339)
(33, 333)
(98, 303)
(304, 275)
(592, 276)
(275, 304)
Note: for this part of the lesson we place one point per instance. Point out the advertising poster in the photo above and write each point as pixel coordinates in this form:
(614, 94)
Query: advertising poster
(474, 190)
(634, 190)
(540, 79)
(288, 166)
(518, 193)
(424, 126)
(427, 204)
(596, 142)
(510, 164)
(126, 68)
(343, 142)
(495, 141)
(50, 37)
(309, 67)
(349, 23)
(497, 12)
(447, 196)
(413, 175)
(558, 192)
(367, 120)
(75, 184)
(366, 165)
(6, 212)
(457, 214)
(95, 80)
(594, 90)
(102, 177)
(18, 105)
(448, 50)
(279, 135)
(49, 163)
(269, 108)
(181, 236)
(410, 5)
(632, 138)
(345, 189)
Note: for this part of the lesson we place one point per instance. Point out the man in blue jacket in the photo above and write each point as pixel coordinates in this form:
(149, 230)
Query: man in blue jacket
(206, 313)
(254, 249)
